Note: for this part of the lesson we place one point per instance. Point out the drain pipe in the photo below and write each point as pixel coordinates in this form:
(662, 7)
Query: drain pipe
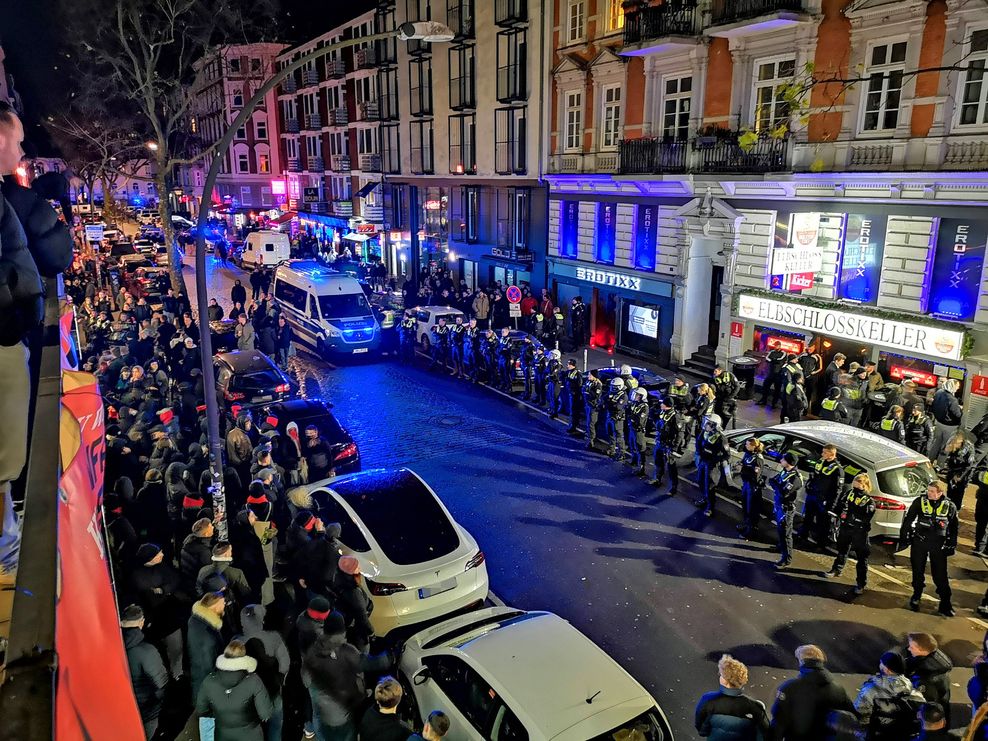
(542, 137)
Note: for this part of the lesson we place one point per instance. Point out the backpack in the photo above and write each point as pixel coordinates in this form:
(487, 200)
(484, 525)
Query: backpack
(894, 718)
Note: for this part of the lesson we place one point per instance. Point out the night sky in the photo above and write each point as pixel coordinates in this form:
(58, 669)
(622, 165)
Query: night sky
(31, 36)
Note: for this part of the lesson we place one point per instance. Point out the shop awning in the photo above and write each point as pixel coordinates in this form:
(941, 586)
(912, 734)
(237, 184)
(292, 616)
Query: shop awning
(356, 237)
(287, 216)
(365, 191)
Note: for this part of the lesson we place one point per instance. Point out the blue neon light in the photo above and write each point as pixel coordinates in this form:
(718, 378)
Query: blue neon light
(604, 242)
(646, 236)
(861, 258)
(569, 229)
(955, 280)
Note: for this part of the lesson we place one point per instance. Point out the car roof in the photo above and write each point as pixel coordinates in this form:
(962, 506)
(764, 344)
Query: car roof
(240, 361)
(313, 275)
(436, 309)
(547, 670)
(869, 447)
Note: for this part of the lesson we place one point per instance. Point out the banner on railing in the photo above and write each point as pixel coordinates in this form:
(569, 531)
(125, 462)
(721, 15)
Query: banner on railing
(93, 697)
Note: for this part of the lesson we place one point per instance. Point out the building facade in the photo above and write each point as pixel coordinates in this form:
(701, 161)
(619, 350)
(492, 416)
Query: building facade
(225, 81)
(714, 198)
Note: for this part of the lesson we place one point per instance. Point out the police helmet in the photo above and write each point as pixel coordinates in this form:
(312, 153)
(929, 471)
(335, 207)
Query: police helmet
(714, 419)
(639, 394)
(556, 355)
(617, 385)
(625, 370)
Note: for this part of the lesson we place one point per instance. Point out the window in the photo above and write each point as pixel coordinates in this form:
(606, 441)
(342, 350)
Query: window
(512, 218)
(512, 52)
(676, 107)
(334, 97)
(245, 196)
(881, 102)
(234, 64)
(241, 133)
(974, 88)
(462, 144)
(291, 148)
(313, 309)
(466, 690)
(238, 100)
(365, 89)
(461, 78)
(264, 163)
(265, 195)
(771, 108)
(615, 15)
(387, 102)
(574, 121)
(289, 110)
(350, 534)
(255, 65)
(610, 117)
(509, 141)
(420, 87)
(261, 129)
(366, 141)
(459, 17)
(243, 162)
(421, 147)
(471, 213)
(198, 178)
(574, 21)
(309, 104)
(286, 293)
(390, 151)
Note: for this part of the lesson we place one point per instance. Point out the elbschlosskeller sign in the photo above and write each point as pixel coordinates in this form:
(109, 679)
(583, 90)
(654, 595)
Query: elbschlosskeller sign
(906, 336)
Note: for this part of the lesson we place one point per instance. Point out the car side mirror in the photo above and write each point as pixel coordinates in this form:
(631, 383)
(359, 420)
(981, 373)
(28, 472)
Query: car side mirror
(421, 677)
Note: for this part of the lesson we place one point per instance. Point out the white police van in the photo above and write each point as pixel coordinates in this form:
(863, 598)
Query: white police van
(325, 308)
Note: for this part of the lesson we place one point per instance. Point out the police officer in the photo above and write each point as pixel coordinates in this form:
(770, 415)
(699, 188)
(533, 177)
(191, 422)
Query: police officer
(726, 388)
(832, 408)
(786, 485)
(890, 426)
(855, 387)
(456, 337)
(797, 402)
(854, 513)
(919, 428)
(553, 373)
(679, 393)
(790, 371)
(955, 463)
(614, 403)
(930, 527)
(637, 422)
(593, 391)
(670, 437)
(776, 359)
(526, 356)
(980, 479)
(406, 334)
(440, 344)
(578, 321)
(488, 351)
(574, 390)
(711, 452)
(505, 361)
(471, 348)
(752, 483)
(539, 369)
(825, 486)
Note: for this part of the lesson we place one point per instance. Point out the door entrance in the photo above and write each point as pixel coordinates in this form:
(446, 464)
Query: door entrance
(713, 328)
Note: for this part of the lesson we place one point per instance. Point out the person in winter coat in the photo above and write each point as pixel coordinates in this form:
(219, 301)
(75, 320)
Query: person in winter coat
(152, 511)
(887, 702)
(252, 621)
(802, 704)
(283, 341)
(238, 294)
(244, 332)
(248, 552)
(309, 625)
(267, 337)
(381, 722)
(317, 455)
(481, 307)
(205, 637)
(797, 402)
(946, 412)
(239, 448)
(214, 311)
(235, 697)
(977, 685)
(833, 408)
(148, 675)
(727, 714)
(929, 669)
(956, 463)
(221, 565)
(891, 426)
(919, 428)
(197, 552)
(354, 603)
(158, 590)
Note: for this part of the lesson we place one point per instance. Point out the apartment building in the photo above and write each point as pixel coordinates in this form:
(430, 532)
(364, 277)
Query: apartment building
(225, 81)
(709, 209)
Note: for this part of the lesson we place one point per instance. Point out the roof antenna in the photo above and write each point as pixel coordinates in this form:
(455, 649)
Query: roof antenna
(591, 698)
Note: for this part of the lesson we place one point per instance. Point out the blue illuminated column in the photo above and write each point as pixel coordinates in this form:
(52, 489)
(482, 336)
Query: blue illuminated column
(955, 280)
(604, 239)
(646, 236)
(569, 229)
(861, 258)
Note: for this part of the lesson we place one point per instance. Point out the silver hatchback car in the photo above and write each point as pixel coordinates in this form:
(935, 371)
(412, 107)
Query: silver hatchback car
(898, 475)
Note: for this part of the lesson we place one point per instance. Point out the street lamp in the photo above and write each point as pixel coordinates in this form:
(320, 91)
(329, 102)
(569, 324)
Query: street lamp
(153, 146)
(426, 31)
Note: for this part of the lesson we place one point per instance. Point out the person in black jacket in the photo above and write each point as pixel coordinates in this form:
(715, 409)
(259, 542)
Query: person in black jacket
(158, 590)
(197, 552)
(854, 512)
(946, 412)
(593, 390)
(919, 428)
(825, 486)
(776, 360)
(803, 704)
(930, 529)
(786, 485)
(238, 294)
(955, 464)
(711, 453)
(235, 696)
(670, 437)
(929, 668)
(381, 722)
(148, 675)
(727, 712)
(832, 408)
(891, 426)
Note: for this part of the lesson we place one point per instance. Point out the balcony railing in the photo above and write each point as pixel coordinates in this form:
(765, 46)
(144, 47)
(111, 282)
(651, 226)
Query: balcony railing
(386, 52)
(388, 107)
(365, 58)
(674, 19)
(645, 156)
(579, 162)
(335, 69)
(727, 156)
(289, 85)
(316, 164)
(510, 12)
(338, 117)
(291, 126)
(511, 83)
(459, 17)
(319, 207)
(341, 163)
(734, 11)
(294, 165)
(369, 110)
(370, 163)
(418, 48)
(313, 121)
(372, 212)
(342, 207)
(310, 77)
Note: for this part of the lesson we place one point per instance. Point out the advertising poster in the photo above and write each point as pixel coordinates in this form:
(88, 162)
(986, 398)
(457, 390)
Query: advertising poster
(646, 237)
(643, 320)
(861, 258)
(604, 241)
(569, 229)
(955, 280)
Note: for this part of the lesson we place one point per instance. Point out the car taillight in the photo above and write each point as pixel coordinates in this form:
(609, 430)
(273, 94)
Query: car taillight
(233, 395)
(475, 561)
(886, 503)
(912, 464)
(383, 588)
(347, 451)
(283, 388)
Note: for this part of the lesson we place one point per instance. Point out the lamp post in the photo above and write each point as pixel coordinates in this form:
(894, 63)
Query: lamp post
(429, 32)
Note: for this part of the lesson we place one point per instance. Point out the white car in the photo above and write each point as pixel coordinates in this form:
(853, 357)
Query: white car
(147, 216)
(501, 673)
(144, 246)
(418, 563)
(428, 317)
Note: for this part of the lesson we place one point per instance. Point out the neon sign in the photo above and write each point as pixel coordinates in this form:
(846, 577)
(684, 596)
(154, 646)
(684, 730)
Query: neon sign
(955, 279)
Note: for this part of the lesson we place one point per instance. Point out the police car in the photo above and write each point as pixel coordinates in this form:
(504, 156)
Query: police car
(428, 317)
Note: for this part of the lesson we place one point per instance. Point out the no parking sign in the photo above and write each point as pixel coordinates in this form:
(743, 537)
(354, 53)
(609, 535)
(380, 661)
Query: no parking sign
(513, 294)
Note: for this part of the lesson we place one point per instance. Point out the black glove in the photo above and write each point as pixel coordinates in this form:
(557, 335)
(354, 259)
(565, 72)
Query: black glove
(949, 550)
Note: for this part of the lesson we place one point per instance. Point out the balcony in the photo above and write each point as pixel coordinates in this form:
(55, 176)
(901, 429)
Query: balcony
(372, 212)
(386, 52)
(459, 17)
(365, 58)
(289, 86)
(338, 117)
(316, 164)
(387, 106)
(335, 69)
(508, 13)
(291, 126)
(418, 48)
(369, 110)
(319, 207)
(342, 207)
(313, 121)
(726, 156)
(341, 163)
(735, 18)
(648, 156)
(956, 152)
(511, 81)
(294, 165)
(370, 163)
(585, 162)
(660, 28)
(310, 77)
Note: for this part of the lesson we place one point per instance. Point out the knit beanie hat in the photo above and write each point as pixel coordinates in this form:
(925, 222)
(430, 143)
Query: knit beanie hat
(146, 553)
(335, 624)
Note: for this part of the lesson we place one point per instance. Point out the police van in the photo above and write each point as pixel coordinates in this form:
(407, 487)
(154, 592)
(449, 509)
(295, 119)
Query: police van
(325, 308)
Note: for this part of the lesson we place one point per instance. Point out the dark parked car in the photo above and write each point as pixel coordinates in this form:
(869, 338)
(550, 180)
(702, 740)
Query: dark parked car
(305, 412)
(223, 334)
(250, 379)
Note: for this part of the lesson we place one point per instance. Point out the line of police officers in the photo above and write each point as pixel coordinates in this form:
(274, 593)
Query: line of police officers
(835, 516)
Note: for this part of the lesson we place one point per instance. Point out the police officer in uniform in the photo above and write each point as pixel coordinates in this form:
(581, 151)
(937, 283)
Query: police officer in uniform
(614, 403)
(637, 422)
(456, 337)
(593, 391)
(440, 344)
(711, 452)
(726, 388)
(488, 351)
(825, 486)
(679, 393)
(890, 426)
(919, 428)
(930, 527)
(670, 436)
(833, 408)
(406, 334)
(539, 369)
(578, 321)
(471, 349)
(786, 485)
(752, 483)
(526, 356)
(790, 371)
(854, 513)
(553, 373)
(776, 359)
(574, 389)
(505, 361)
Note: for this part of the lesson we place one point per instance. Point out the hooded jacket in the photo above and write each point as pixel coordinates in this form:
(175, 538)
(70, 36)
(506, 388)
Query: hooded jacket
(148, 675)
(233, 577)
(931, 675)
(252, 623)
(158, 591)
(197, 553)
(882, 687)
(803, 703)
(48, 238)
(239, 448)
(204, 643)
(335, 671)
(235, 696)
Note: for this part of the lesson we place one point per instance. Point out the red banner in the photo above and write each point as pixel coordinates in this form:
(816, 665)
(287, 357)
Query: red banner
(94, 698)
(979, 385)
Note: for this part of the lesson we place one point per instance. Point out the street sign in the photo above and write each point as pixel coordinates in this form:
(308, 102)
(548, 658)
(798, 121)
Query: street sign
(310, 195)
(514, 309)
(94, 232)
(513, 294)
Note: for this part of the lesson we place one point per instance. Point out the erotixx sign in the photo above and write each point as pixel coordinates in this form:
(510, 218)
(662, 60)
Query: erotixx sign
(955, 280)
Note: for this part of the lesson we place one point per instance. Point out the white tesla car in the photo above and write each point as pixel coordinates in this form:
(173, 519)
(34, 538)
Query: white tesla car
(418, 563)
(501, 673)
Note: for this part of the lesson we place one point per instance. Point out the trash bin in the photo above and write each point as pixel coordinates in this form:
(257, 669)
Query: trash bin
(744, 368)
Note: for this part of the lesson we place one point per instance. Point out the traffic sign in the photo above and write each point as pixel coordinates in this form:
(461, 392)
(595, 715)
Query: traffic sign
(94, 232)
(513, 294)
(514, 310)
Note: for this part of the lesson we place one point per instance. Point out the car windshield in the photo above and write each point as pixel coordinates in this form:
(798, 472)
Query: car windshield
(907, 482)
(402, 515)
(261, 381)
(649, 726)
(343, 305)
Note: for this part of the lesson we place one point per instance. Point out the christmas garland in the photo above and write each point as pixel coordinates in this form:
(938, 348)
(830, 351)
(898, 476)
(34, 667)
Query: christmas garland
(895, 316)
